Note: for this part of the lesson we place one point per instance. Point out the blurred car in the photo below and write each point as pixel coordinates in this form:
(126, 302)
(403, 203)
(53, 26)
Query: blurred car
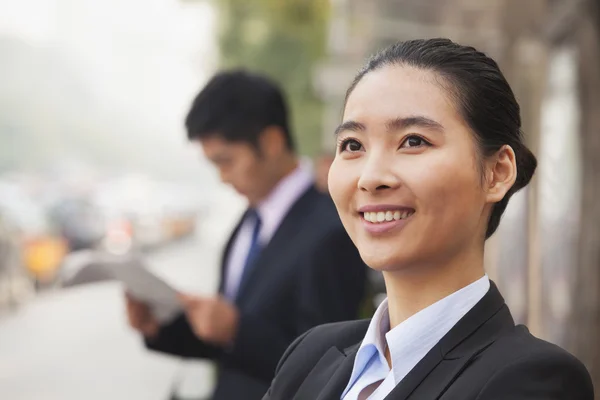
(144, 214)
(181, 208)
(180, 225)
(119, 235)
(80, 222)
(41, 248)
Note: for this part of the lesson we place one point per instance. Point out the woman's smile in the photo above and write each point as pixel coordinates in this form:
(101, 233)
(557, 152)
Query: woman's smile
(405, 178)
(381, 219)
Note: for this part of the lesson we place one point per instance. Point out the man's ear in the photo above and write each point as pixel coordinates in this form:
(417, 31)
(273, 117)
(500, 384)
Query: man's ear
(271, 141)
(500, 174)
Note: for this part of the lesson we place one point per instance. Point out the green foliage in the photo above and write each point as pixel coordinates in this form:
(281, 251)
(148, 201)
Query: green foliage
(283, 39)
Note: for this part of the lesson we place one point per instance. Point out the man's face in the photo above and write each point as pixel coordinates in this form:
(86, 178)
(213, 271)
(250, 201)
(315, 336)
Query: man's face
(240, 165)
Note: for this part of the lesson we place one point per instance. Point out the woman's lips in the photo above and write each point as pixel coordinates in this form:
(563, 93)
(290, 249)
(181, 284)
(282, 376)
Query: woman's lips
(377, 222)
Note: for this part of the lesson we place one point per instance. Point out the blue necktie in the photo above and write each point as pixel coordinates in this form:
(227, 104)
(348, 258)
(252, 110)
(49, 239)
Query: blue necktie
(255, 248)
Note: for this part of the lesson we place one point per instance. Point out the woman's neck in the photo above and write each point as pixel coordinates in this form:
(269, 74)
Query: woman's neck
(410, 291)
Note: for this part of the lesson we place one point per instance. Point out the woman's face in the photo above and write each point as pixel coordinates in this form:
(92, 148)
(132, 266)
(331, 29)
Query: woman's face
(406, 178)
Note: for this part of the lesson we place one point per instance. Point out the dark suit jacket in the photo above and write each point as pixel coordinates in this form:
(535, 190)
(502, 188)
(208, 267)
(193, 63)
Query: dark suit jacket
(310, 273)
(483, 357)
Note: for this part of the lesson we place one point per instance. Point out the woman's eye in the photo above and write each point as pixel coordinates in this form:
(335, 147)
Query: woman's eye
(350, 145)
(414, 141)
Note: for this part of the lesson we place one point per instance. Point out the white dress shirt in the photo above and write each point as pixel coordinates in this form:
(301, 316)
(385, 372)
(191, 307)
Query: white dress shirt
(408, 342)
(272, 210)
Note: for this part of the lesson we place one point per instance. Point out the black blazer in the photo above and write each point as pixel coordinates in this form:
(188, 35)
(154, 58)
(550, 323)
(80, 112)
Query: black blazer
(310, 273)
(483, 357)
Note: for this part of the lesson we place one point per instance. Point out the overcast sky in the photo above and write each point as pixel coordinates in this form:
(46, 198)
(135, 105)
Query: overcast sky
(143, 58)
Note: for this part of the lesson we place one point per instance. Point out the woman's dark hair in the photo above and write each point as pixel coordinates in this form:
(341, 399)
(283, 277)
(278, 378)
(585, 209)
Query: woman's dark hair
(482, 94)
(237, 106)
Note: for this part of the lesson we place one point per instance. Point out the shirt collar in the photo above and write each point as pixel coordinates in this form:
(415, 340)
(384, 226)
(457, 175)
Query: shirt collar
(425, 329)
(373, 343)
(276, 205)
(419, 333)
(380, 324)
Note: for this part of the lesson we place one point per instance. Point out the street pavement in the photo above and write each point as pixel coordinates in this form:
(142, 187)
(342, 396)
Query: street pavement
(74, 343)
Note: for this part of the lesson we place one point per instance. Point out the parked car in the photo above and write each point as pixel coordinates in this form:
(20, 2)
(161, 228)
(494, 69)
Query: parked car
(80, 222)
(145, 213)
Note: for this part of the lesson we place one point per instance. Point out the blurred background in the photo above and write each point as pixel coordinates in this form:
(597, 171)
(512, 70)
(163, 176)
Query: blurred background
(94, 160)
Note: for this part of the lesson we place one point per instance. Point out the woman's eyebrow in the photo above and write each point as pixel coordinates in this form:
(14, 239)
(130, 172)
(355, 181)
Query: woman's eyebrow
(349, 126)
(396, 124)
(402, 123)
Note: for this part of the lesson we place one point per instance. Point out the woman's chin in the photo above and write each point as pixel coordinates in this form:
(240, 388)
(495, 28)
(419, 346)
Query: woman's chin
(384, 262)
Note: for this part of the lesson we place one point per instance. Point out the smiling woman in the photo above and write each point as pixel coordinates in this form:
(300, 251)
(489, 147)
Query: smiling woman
(429, 152)
(410, 139)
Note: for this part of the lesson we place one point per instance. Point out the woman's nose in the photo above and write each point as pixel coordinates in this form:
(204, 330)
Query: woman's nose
(377, 174)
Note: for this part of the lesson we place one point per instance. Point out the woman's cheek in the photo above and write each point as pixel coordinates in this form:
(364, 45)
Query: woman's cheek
(441, 185)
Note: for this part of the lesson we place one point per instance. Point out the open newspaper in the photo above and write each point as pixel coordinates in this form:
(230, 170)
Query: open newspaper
(138, 280)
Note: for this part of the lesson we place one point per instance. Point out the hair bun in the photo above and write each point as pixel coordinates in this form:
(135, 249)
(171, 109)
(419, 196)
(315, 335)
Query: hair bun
(526, 166)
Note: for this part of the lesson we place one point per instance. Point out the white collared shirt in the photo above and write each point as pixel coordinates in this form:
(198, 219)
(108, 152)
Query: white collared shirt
(408, 342)
(272, 210)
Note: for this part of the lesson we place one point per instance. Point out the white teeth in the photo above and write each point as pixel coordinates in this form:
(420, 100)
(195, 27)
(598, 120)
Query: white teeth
(386, 216)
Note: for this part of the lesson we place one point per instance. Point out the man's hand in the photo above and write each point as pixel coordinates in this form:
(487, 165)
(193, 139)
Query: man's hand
(140, 317)
(213, 319)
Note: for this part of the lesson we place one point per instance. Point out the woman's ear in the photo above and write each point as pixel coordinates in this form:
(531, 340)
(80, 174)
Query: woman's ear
(500, 174)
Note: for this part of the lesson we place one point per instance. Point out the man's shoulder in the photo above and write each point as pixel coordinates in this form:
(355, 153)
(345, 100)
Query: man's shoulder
(318, 212)
(318, 202)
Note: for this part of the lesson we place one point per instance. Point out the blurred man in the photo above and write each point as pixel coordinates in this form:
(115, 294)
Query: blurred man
(288, 265)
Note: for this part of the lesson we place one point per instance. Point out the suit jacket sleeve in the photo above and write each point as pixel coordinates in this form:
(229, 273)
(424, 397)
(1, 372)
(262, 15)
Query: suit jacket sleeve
(178, 339)
(330, 288)
(553, 376)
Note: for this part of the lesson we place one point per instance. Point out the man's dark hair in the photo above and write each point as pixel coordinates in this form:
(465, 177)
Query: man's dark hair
(481, 93)
(237, 106)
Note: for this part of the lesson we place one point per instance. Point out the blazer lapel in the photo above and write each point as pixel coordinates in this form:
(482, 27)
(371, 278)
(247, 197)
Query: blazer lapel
(329, 377)
(432, 376)
(476, 331)
(437, 381)
(416, 375)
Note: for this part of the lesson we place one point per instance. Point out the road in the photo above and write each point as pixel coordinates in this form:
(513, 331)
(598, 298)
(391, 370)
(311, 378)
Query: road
(74, 344)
